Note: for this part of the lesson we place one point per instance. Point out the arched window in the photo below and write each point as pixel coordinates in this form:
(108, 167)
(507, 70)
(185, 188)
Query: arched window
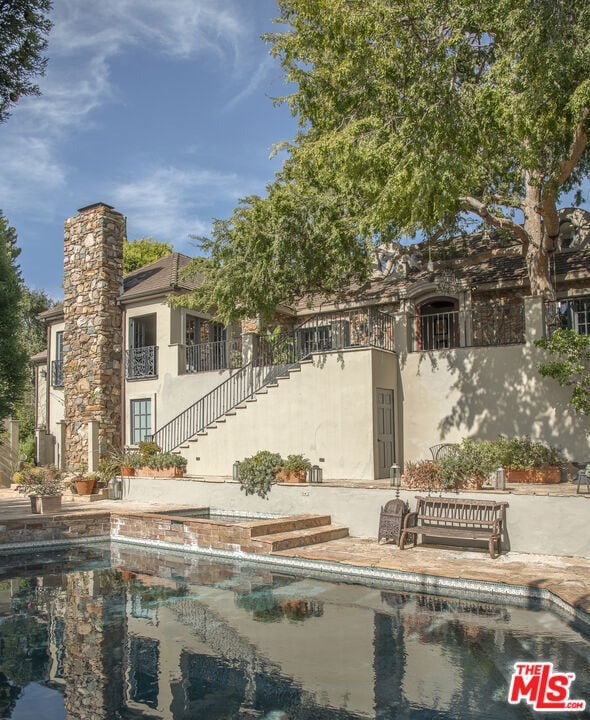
(437, 322)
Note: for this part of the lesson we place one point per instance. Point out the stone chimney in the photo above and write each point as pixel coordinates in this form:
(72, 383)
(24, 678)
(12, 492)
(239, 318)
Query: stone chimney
(93, 278)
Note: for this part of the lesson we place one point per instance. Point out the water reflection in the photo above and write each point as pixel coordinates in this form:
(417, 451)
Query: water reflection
(138, 634)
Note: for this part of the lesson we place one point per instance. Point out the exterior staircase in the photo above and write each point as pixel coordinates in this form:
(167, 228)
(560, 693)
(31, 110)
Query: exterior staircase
(270, 536)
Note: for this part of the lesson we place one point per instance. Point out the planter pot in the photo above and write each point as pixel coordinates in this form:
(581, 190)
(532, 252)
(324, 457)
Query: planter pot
(171, 472)
(286, 476)
(84, 487)
(550, 475)
(127, 471)
(41, 504)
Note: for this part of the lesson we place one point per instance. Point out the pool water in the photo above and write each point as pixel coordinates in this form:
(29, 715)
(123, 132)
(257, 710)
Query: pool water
(112, 631)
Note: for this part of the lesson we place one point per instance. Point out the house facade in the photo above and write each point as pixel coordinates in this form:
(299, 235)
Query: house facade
(439, 348)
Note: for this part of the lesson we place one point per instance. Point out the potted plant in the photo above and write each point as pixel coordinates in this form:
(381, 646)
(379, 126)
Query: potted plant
(85, 483)
(257, 474)
(163, 465)
(294, 469)
(527, 461)
(126, 461)
(44, 485)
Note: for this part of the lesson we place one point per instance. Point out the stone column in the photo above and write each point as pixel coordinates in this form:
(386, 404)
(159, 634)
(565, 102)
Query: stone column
(93, 276)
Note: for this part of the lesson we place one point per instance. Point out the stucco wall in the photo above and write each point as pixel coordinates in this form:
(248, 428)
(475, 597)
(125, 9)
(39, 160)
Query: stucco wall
(483, 392)
(552, 525)
(325, 411)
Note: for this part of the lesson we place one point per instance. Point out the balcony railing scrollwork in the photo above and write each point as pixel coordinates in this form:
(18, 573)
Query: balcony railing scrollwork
(141, 362)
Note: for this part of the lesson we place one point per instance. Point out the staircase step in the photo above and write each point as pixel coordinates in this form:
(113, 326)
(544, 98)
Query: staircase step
(299, 538)
(297, 522)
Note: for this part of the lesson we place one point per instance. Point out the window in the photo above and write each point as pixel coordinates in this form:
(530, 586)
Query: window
(575, 315)
(142, 356)
(57, 378)
(141, 420)
(438, 324)
(315, 339)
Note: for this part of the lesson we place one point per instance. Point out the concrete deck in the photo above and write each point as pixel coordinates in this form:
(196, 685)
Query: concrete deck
(566, 577)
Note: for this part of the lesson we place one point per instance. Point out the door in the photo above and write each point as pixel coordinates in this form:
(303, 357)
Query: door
(385, 442)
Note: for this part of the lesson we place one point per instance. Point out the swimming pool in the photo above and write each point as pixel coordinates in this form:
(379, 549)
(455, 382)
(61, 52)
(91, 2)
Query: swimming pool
(113, 630)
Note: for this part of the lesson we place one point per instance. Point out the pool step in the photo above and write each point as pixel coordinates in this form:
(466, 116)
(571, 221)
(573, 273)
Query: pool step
(298, 538)
(288, 524)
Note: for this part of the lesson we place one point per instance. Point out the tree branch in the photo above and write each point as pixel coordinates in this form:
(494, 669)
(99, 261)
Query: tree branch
(579, 143)
(479, 208)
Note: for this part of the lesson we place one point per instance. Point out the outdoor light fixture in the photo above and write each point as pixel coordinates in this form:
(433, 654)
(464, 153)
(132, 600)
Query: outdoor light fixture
(236, 471)
(315, 474)
(500, 479)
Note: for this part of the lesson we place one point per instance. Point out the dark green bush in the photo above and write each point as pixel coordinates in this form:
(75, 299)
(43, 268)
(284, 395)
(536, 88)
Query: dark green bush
(257, 474)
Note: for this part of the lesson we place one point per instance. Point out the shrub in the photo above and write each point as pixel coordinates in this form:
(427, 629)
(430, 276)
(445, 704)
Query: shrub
(524, 454)
(296, 464)
(147, 449)
(165, 460)
(257, 474)
(423, 475)
(468, 465)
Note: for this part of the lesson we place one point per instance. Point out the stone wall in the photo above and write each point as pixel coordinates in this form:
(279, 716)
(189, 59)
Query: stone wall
(93, 276)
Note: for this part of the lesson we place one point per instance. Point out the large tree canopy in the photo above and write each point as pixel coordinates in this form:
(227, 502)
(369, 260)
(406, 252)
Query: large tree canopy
(141, 251)
(13, 355)
(414, 115)
(24, 27)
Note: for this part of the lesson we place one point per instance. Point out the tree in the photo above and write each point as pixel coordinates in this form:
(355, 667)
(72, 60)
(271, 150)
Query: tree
(140, 252)
(24, 27)
(571, 368)
(13, 355)
(417, 118)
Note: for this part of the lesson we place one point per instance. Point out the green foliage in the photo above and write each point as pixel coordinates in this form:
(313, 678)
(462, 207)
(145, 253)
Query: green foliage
(147, 449)
(31, 480)
(469, 464)
(161, 460)
(414, 118)
(571, 367)
(296, 464)
(24, 28)
(140, 252)
(257, 474)
(13, 356)
(524, 454)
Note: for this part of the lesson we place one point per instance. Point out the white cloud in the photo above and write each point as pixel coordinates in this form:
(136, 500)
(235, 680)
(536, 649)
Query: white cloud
(167, 203)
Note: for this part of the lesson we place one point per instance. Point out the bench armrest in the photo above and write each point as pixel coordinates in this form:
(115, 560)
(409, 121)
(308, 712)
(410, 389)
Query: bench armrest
(410, 520)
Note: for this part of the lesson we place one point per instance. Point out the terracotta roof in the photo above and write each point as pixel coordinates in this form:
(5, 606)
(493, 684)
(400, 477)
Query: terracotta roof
(159, 277)
(39, 357)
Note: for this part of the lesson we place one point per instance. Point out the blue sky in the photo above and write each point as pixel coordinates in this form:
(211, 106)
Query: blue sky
(161, 108)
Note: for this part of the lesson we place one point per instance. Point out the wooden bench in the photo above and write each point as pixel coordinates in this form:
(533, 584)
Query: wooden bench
(455, 518)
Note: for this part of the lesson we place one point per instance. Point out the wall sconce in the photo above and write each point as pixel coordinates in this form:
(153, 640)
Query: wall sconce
(395, 478)
(236, 471)
(43, 373)
(315, 474)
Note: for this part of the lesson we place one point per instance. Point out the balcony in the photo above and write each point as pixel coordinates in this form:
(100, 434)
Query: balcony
(57, 373)
(211, 356)
(141, 362)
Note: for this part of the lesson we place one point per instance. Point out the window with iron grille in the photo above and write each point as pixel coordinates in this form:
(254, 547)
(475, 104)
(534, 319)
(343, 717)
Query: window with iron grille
(141, 420)
(57, 378)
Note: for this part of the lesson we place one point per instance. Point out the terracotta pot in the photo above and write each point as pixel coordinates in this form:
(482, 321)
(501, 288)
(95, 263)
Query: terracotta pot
(286, 476)
(171, 472)
(85, 487)
(127, 471)
(549, 475)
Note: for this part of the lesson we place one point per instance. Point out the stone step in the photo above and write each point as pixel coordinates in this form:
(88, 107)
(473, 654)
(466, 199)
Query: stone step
(74, 497)
(298, 538)
(287, 524)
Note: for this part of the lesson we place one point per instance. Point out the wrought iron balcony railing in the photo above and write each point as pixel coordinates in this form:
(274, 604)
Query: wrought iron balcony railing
(57, 373)
(207, 357)
(141, 362)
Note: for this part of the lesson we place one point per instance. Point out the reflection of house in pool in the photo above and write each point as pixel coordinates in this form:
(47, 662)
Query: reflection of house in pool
(161, 635)
(439, 349)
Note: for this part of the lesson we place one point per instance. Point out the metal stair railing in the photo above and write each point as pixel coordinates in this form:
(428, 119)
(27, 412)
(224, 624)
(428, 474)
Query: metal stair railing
(275, 358)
